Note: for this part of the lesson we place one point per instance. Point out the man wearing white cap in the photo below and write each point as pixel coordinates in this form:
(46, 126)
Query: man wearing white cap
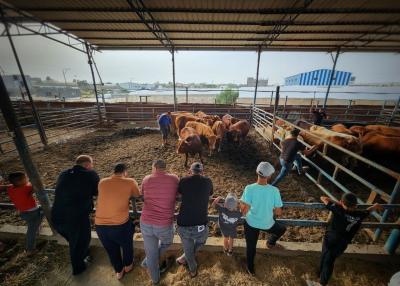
(259, 203)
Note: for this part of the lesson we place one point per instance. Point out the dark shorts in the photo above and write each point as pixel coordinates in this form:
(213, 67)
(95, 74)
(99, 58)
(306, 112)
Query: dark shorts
(164, 131)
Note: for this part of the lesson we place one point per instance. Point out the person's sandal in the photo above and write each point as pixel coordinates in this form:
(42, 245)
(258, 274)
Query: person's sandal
(225, 251)
(120, 275)
(128, 268)
(230, 252)
(193, 274)
(181, 261)
(276, 246)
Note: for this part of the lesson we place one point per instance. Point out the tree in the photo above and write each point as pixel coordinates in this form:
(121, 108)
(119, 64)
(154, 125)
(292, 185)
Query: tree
(227, 96)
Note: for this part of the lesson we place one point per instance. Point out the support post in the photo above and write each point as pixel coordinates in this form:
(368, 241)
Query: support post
(386, 212)
(35, 113)
(23, 150)
(90, 62)
(274, 114)
(173, 77)
(331, 77)
(270, 101)
(187, 95)
(395, 109)
(258, 70)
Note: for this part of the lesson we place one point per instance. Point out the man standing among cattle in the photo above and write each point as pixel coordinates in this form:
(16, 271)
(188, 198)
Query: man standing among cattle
(164, 122)
(73, 203)
(289, 155)
(192, 219)
(157, 220)
(317, 115)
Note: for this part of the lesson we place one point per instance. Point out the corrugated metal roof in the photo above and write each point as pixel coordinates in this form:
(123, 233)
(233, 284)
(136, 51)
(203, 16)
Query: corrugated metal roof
(317, 25)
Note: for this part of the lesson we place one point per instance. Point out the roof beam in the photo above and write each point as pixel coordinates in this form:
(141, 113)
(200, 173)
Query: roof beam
(243, 39)
(147, 19)
(42, 28)
(228, 23)
(237, 32)
(275, 11)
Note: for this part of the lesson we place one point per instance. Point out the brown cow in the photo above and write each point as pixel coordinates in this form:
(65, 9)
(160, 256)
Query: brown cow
(384, 130)
(205, 131)
(238, 131)
(342, 129)
(219, 131)
(181, 121)
(190, 143)
(200, 114)
(303, 124)
(381, 129)
(376, 143)
(228, 120)
(174, 115)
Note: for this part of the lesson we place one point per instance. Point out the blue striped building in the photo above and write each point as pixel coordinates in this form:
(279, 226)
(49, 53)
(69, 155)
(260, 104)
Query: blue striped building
(319, 77)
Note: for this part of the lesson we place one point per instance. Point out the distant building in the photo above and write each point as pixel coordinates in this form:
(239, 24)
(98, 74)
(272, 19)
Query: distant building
(320, 78)
(15, 85)
(251, 81)
(57, 91)
(136, 86)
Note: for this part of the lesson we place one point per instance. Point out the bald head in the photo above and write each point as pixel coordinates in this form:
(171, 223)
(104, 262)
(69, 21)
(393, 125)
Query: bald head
(85, 161)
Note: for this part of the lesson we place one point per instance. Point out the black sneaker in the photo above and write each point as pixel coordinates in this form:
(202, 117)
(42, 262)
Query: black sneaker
(166, 264)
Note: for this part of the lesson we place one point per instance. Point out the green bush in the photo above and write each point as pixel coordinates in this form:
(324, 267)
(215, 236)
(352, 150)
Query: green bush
(227, 96)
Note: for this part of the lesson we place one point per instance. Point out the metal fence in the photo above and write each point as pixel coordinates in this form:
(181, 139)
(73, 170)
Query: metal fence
(264, 123)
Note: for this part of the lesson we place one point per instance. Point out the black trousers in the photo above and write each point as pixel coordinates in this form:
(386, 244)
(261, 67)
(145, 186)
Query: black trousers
(78, 235)
(116, 238)
(251, 235)
(332, 248)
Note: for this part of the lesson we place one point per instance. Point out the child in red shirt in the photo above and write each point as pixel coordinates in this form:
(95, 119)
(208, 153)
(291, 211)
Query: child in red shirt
(20, 192)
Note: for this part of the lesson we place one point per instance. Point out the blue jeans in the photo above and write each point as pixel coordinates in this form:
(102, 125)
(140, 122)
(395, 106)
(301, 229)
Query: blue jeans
(117, 237)
(33, 220)
(156, 240)
(193, 237)
(286, 167)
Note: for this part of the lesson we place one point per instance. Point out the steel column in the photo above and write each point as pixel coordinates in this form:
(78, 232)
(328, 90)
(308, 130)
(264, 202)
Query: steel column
(23, 150)
(35, 113)
(187, 94)
(331, 77)
(258, 70)
(88, 52)
(173, 78)
(395, 109)
(274, 115)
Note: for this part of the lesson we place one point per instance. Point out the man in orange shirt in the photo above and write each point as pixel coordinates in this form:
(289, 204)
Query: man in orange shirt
(113, 226)
(21, 194)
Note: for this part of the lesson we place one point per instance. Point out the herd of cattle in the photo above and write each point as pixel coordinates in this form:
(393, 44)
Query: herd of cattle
(195, 130)
(371, 141)
(198, 129)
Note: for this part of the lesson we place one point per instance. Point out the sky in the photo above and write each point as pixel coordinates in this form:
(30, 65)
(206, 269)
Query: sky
(41, 57)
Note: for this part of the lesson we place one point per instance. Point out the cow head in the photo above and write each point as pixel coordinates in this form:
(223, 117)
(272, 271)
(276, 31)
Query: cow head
(211, 143)
(184, 145)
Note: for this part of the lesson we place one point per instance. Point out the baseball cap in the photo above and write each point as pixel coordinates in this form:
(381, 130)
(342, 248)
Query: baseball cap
(196, 167)
(265, 169)
(231, 201)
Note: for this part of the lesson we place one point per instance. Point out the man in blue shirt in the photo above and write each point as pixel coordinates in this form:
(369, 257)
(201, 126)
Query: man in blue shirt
(259, 203)
(164, 121)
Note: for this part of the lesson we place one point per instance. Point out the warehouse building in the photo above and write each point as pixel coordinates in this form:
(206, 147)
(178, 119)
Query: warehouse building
(320, 78)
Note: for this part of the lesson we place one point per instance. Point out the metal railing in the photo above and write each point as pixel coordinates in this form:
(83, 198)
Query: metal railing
(263, 123)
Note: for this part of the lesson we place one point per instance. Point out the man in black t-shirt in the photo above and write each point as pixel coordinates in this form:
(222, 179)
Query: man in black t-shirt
(318, 116)
(289, 155)
(192, 220)
(73, 203)
(343, 226)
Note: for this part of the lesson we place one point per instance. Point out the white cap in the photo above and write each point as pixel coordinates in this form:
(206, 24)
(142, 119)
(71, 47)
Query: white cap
(265, 169)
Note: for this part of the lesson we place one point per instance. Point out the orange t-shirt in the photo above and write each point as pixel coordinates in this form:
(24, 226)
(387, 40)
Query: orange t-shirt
(113, 200)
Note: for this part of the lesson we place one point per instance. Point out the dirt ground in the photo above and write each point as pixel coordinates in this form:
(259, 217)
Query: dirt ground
(231, 170)
(50, 267)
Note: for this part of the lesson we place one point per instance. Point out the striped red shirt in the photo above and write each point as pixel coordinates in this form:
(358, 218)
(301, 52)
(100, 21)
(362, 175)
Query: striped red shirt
(159, 190)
